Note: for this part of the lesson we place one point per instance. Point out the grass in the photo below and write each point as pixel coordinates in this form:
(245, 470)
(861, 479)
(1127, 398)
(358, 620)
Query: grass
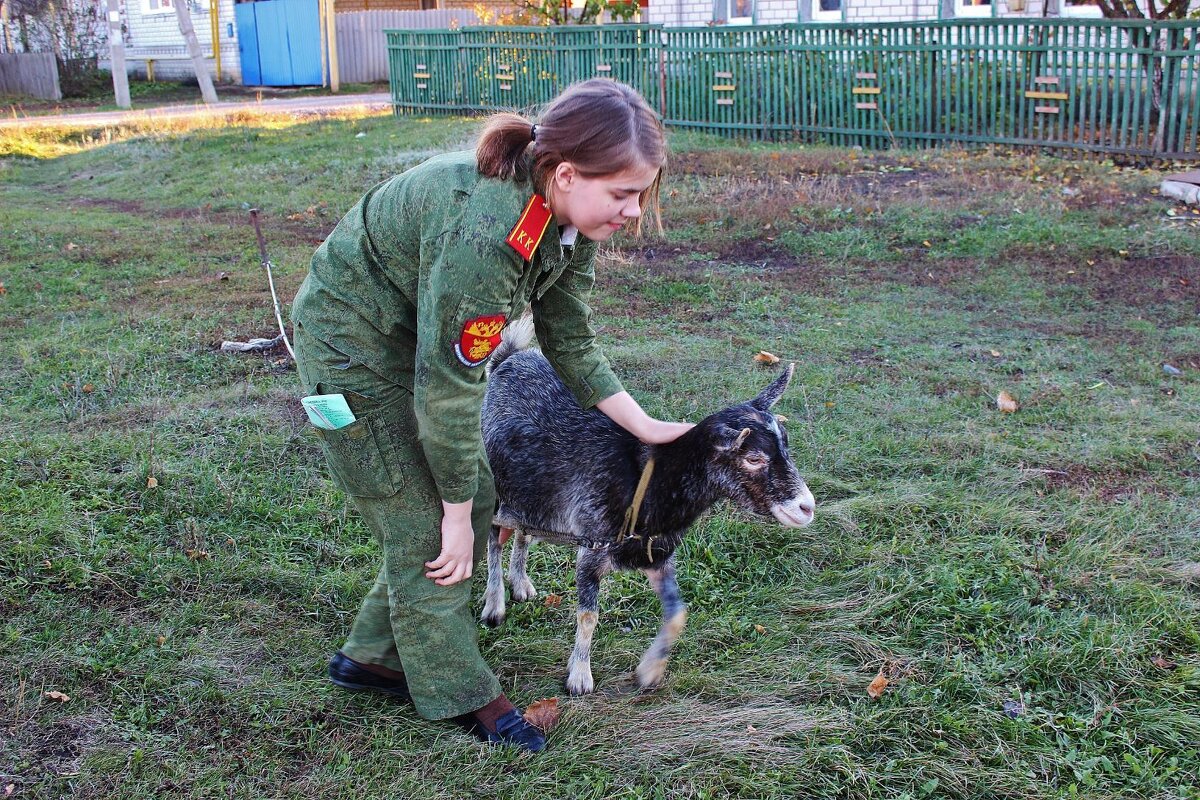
(1026, 582)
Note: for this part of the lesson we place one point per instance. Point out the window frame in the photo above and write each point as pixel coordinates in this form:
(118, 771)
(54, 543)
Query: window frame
(149, 10)
(964, 11)
(815, 14)
(726, 7)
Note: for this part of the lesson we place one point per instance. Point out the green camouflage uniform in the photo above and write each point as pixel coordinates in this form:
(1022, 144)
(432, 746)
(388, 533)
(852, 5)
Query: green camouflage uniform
(377, 320)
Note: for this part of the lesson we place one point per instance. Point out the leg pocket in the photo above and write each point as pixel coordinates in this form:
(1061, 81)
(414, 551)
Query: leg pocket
(359, 454)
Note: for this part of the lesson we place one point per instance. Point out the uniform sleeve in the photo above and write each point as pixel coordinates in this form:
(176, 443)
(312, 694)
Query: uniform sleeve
(563, 321)
(467, 279)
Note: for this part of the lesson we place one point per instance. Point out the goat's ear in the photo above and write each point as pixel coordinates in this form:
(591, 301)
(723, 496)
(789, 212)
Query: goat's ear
(731, 438)
(770, 395)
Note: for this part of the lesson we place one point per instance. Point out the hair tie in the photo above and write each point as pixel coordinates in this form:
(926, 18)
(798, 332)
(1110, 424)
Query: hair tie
(533, 133)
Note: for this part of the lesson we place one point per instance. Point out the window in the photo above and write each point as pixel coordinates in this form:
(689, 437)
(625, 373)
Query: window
(734, 12)
(158, 6)
(826, 10)
(972, 8)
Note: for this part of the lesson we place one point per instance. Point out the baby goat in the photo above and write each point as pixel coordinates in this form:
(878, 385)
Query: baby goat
(575, 477)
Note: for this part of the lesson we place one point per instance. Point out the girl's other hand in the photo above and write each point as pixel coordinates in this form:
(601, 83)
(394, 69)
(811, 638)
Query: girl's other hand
(457, 559)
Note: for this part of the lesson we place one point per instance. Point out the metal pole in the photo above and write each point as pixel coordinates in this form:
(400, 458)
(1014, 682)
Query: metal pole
(116, 49)
(184, 16)
(334, 83)
(214, 17)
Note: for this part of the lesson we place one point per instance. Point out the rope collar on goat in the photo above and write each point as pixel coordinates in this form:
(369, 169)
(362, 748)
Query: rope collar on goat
(631, 513)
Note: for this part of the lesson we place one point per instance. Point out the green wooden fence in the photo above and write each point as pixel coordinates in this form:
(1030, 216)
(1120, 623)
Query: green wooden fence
(1105, 85)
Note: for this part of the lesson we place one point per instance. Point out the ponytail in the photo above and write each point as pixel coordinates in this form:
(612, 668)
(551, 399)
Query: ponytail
(501, 149)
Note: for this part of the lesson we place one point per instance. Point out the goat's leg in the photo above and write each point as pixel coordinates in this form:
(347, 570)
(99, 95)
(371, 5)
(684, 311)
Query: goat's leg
(654, 661)
(518, 577)
(493, 604)
(590, 567)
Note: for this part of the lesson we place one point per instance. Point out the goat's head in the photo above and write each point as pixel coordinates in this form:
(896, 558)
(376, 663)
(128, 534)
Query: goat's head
(751, 460)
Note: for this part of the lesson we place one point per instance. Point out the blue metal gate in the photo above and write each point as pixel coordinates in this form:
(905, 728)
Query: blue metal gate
(280, 42)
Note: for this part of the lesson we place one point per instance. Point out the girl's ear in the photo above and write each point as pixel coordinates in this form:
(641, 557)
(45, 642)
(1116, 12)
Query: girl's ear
(564, 176)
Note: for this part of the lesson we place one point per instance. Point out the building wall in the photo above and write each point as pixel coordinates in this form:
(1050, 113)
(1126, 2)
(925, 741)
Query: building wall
(154, 32)
(690, 13)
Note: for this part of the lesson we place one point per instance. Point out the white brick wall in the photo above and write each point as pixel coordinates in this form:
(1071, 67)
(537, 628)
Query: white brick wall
(688, 13)
(154, 33)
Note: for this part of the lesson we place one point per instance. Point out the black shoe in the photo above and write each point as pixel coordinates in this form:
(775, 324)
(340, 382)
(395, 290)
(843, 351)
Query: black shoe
(511, 729)
(348, 675)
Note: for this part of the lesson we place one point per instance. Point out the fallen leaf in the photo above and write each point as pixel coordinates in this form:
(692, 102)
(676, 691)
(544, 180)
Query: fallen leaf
(161, 640)
(751, 729)
(927, 243)
(876, 687)
(760, 630)
(553, 601)
(763, 357)
(2, 289)
(88, 388)
(830, 404)
(151, 482)
(543, 714)
(196, 555)
(222, 276)
(995, 353)
(72, 246)
(56, 695)
(1162, 663)
(1006, 403)
(780, 418)
(8, 790)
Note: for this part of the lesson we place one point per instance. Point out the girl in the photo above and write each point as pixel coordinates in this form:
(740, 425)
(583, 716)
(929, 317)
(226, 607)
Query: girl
(402, 306)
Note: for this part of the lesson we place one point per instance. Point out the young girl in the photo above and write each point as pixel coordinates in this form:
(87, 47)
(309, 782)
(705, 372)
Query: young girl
(402, 306)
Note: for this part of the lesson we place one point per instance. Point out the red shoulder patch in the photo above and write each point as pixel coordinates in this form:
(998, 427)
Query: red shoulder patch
(527, 234)
(479, 337)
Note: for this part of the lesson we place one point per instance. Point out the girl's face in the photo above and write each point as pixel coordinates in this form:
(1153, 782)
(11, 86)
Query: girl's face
(598, 207)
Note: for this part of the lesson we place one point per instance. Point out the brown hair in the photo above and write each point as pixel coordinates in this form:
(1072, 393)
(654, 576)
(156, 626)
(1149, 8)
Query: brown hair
(601, 126)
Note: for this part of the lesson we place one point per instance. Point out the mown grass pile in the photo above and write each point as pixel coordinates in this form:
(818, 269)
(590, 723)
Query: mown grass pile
(174, 561)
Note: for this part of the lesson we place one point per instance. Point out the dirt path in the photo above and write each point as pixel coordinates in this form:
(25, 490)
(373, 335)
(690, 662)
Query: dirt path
(378, 101)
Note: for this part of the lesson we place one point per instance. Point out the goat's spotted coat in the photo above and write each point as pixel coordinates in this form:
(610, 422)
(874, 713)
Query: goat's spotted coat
(562, 469)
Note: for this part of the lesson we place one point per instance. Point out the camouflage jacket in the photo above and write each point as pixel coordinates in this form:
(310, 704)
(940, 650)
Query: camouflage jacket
(415, 283)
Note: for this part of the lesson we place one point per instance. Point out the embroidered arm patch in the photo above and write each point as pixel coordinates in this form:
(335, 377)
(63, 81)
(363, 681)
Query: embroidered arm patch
(480, 336)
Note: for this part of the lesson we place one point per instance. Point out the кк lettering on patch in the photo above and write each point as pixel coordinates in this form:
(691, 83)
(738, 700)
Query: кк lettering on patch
(531, 227)
(480, 336)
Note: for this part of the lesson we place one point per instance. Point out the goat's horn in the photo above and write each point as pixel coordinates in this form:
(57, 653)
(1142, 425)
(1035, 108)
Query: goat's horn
(741, 438)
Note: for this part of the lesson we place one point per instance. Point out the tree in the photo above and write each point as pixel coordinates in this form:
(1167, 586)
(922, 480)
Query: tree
(1129, 9)
(74, 30)
(1163, 82)
(561, 12)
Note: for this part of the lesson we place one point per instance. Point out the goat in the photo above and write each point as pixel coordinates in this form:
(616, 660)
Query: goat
(572, 476)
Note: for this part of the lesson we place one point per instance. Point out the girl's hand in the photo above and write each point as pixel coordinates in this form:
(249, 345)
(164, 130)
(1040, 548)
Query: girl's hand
(656, 431)
(457, 559)
(622, 409)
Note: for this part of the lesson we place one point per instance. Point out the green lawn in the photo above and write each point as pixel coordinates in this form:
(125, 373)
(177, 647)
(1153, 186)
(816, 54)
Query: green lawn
(1027, 582)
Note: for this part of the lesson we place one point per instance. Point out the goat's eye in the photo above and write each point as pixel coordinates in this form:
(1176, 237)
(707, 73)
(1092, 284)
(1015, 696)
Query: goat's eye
(756, 461)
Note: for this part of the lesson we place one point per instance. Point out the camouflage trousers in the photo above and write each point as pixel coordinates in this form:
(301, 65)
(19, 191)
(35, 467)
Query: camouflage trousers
(407, 622)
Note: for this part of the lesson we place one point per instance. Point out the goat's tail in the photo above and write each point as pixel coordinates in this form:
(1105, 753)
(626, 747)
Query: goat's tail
(518, 335)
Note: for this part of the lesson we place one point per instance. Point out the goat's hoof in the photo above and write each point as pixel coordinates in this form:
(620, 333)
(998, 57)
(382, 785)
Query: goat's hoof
(580, 684)
(650, 672)
(492, 618)
(522, 590)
